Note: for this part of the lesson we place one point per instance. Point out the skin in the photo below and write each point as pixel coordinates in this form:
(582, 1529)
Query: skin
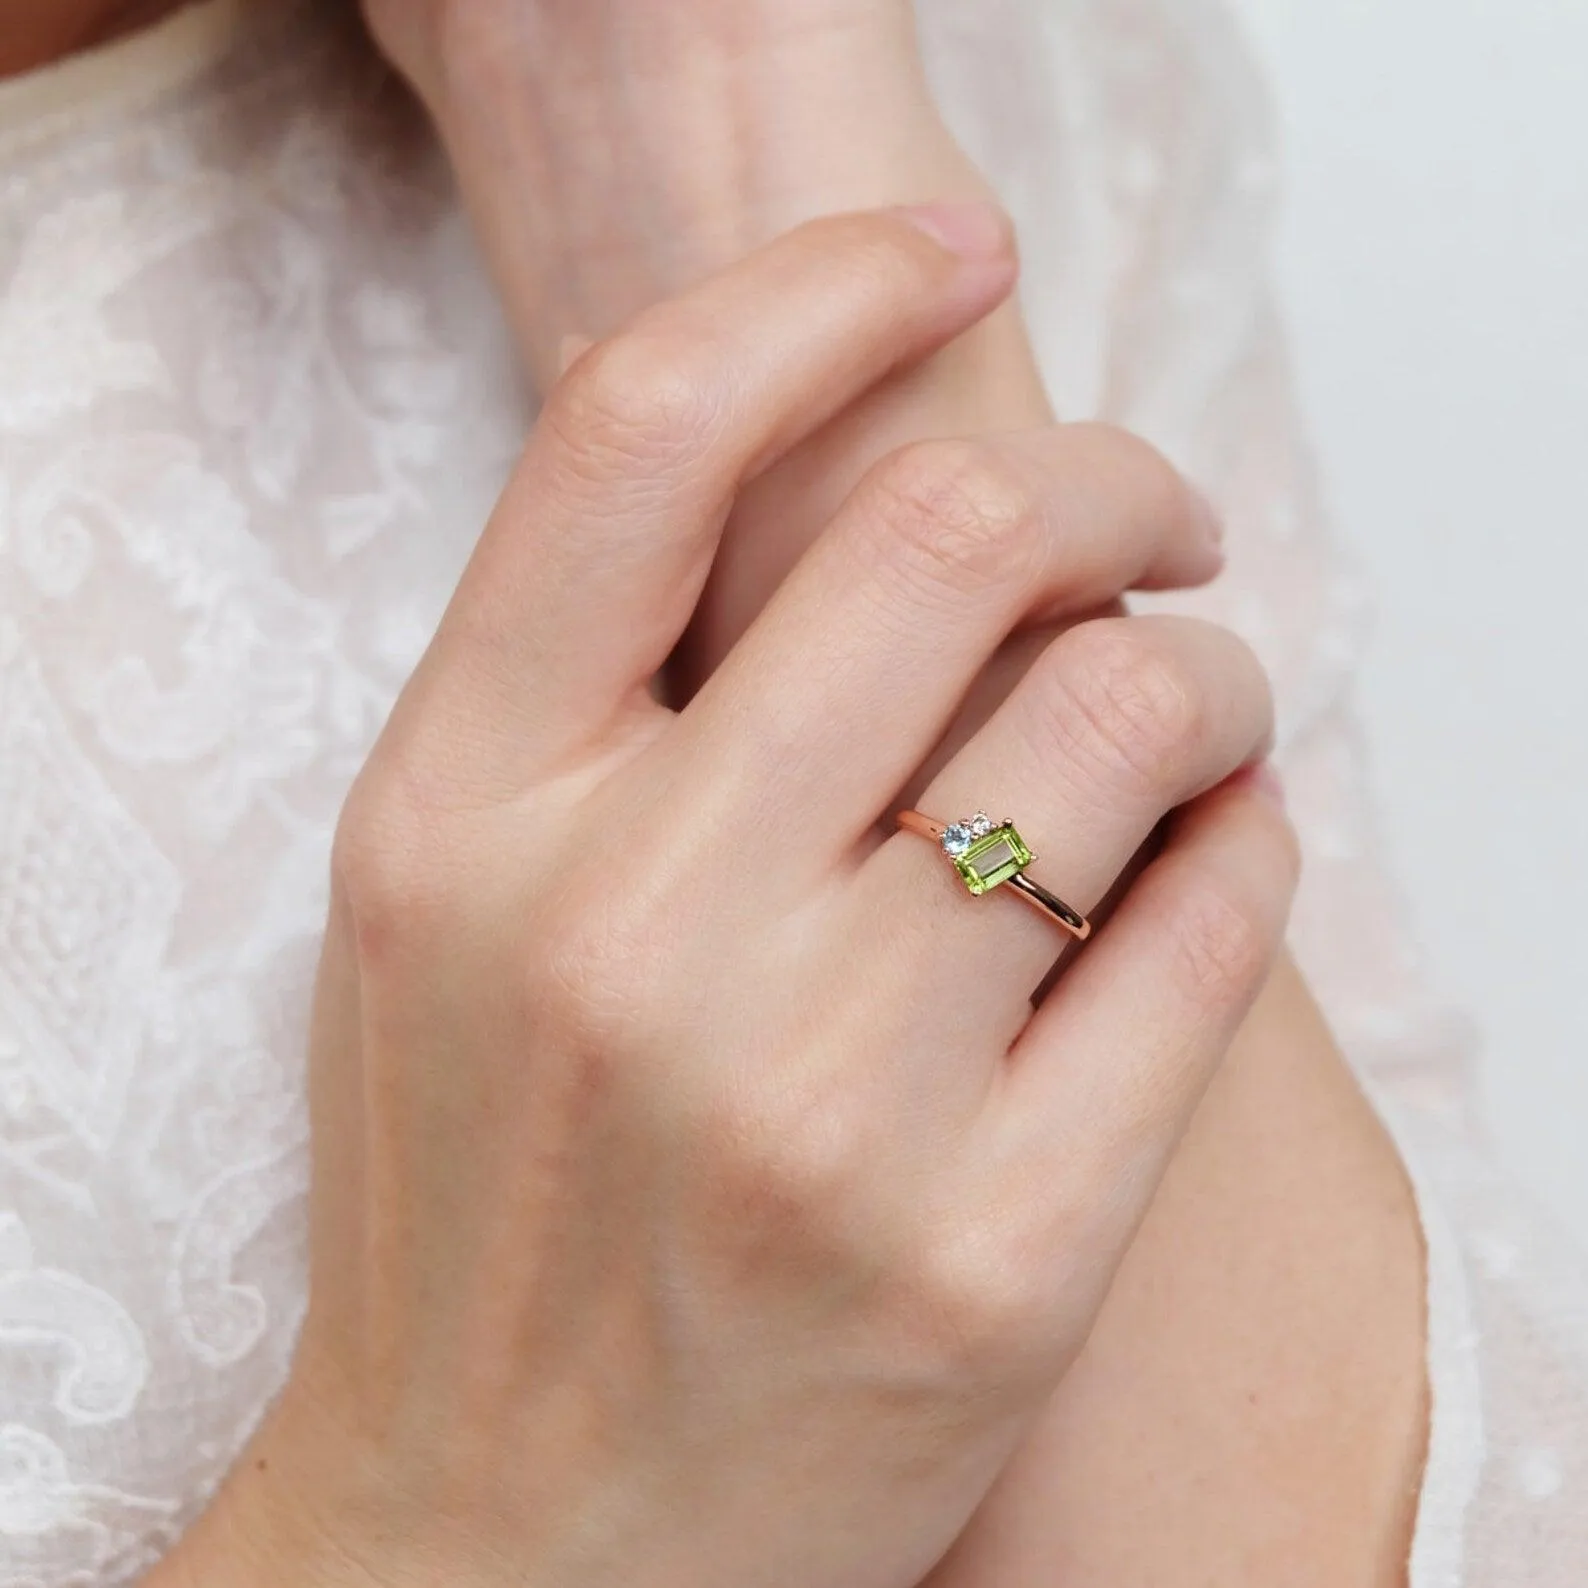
(1272, 1420)
(643, 1200)
(1294, 1442)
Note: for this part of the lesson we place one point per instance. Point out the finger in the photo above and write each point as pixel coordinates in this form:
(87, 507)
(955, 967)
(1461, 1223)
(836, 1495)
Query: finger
(591, 564)
(862, 659)
(1119, 721)
(1103, 1082)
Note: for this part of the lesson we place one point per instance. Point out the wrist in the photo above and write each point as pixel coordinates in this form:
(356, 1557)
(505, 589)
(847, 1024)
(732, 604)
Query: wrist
(613, 155)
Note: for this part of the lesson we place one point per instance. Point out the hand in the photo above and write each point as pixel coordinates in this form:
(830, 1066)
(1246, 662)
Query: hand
(611, 155)
(595, 192)
(642, 146)
(697, 1198)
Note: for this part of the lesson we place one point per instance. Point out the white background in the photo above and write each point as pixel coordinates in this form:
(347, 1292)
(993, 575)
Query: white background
(1434, 262)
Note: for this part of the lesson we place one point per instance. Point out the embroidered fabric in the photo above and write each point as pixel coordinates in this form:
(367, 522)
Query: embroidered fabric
(254, 403)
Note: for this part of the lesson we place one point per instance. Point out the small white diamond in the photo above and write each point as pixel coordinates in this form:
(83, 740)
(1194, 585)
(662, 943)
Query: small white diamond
(957, 839)
(980, 824)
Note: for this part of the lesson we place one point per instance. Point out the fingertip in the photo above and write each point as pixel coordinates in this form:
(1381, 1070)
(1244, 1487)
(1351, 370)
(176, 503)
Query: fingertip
(1249, 810)
(978, 239)
(1196, 555)
(1207, 518)
(1188, 564)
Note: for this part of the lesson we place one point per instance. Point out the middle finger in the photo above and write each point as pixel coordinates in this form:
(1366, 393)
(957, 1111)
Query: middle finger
(843, 686)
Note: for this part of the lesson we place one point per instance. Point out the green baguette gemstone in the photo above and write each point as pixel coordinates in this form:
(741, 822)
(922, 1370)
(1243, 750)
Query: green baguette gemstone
(994, 858)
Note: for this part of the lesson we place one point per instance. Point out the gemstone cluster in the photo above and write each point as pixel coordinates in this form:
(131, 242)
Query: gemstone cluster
(985, 852)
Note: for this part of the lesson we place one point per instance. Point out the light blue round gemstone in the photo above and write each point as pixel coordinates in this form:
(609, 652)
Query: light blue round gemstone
(957, 838)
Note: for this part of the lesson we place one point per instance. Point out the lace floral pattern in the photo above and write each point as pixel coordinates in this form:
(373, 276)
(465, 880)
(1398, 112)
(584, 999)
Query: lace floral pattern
(254, 404)
(244, 449)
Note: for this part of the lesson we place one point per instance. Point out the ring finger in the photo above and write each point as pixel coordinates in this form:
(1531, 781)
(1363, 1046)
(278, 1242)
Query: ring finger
(1116, 723)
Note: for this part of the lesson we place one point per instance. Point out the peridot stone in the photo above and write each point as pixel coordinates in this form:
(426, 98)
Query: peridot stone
(992, 859)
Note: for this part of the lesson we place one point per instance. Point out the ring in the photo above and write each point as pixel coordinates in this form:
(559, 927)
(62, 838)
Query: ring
(986, 853)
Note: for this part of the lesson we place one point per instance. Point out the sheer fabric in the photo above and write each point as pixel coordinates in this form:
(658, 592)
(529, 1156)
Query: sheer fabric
(254, 403)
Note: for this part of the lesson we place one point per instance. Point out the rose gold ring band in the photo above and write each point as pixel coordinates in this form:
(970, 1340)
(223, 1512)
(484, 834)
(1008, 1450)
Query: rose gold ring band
(988, 855)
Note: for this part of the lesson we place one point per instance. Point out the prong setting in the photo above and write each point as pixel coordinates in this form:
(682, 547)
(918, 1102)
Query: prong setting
(985, 853)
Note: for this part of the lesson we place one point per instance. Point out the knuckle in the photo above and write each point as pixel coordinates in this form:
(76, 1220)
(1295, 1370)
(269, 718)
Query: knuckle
(1126, 705)
(384, 853)
(958, 515)
(1123, 458)
(973, 1304)
(636, 401)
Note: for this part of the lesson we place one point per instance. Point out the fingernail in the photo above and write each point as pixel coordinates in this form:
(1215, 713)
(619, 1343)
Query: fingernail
(971, 228)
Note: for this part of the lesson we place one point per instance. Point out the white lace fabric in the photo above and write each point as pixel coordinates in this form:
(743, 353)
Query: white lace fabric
(254, 403)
